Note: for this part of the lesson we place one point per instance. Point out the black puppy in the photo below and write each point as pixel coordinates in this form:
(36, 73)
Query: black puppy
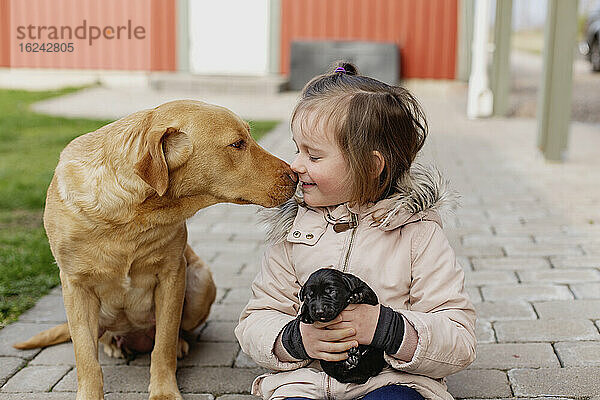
(326, 293)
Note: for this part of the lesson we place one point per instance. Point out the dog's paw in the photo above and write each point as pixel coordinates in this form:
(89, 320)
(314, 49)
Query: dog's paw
(166, 396)
(353, 358)
(356, 298)
(112, 350)
(183, 348)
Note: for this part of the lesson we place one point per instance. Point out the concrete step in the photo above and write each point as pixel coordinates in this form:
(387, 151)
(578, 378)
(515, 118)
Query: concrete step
(218, 84)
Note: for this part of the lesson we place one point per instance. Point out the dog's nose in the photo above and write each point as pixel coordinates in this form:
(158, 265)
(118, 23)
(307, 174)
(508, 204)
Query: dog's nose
(293, 177)
(319, 313)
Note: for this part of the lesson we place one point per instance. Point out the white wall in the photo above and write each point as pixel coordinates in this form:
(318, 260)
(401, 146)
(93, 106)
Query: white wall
(229, 36)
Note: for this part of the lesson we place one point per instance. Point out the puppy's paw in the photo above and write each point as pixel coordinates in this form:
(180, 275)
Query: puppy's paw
(353, 358)
(183, 348)
(356, 298)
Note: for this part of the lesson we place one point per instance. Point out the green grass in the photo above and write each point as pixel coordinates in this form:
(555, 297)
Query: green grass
(30, 144)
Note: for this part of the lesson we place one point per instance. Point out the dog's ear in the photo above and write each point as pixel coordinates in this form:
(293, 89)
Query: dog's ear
(301, 294)
(166, 149)
(305, 315)
(352, 282)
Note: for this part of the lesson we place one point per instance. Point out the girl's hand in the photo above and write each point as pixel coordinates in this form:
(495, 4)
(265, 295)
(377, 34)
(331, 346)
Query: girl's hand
(323, 342)
(362, 318)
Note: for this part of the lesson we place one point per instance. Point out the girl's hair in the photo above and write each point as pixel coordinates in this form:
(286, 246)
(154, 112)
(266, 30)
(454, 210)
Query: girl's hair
(365, 115)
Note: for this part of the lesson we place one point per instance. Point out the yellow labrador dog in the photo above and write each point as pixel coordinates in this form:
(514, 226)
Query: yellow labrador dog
(115, 218)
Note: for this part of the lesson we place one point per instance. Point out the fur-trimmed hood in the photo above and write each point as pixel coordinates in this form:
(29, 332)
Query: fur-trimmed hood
(421, 194)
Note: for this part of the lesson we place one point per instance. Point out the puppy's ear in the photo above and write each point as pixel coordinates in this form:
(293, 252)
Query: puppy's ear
(165, 149)
(352, 282)
(301, 294)
(305, 315)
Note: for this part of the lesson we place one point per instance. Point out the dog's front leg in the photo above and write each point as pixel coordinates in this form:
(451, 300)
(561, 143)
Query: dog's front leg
(168, 301)
(82, 307)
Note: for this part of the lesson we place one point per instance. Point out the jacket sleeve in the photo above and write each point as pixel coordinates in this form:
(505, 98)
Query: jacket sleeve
(440, 310)
(274, 303)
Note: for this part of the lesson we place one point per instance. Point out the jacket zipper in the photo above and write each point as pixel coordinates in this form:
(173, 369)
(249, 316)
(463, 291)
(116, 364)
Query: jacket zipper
(354, 227)
(328, 389)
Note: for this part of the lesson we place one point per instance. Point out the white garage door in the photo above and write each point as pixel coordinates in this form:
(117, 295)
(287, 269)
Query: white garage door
(229, 36)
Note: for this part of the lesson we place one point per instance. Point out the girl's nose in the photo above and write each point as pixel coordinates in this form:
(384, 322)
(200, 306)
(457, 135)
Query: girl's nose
(297, 166)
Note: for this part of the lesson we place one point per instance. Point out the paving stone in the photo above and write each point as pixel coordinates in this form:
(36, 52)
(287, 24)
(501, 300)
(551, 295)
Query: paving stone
(546, 330)
(233, 263)
(63, 354)
(536, 250)
(217, 380)
(38, 396)
(208, 354)
(560, 276)
(8, 367)
(525, 292)
(35, 379)
(465, 263)
(17, 332)
(479, 278)
(494, 240)
(244, 361)
(505, 311)
(237, 296)
(569, 382)
(575, 262)
(229, 281)
(506, 356)
(509, 263)
(225, 312)
(578, 354)
(237, 227)
(566, 239)
(479, 383)
(484, 332)
(529, 229)
(474, 294)
(49, 309)
(217, 331)
(586, 290)
(567, 308)
(144, 396)
(238, 397)
(117, 378)
(479, 251)
(591, 249)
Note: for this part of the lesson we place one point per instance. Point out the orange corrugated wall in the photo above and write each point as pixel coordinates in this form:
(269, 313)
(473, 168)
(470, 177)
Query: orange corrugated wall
(4, 33)
(155, 52)
(424, 30)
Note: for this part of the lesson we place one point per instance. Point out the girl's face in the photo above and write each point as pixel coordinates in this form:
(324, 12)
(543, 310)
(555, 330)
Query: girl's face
(321, 168)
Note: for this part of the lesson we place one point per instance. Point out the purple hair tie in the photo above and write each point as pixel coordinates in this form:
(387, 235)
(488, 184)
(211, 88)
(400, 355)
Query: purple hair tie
(340, 69)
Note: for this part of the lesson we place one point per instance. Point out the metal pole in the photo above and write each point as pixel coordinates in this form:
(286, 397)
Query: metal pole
(501, 60)
(554, 101)
(465, 39)
(479, 96)
(274, 35)
(183, 36)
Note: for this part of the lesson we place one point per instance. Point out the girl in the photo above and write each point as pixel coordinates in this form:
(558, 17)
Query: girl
(365, 209)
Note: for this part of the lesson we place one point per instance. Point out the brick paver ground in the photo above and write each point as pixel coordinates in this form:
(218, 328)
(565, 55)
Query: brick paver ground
(527, 235)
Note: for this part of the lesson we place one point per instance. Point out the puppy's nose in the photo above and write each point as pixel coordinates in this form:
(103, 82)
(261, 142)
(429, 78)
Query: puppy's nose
(319, 313)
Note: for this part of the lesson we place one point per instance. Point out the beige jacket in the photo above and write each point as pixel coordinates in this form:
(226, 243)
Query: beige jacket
(398, 248)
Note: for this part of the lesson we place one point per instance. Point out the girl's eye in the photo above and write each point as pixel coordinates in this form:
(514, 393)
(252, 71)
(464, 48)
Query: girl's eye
(314, 158)
(240, 144)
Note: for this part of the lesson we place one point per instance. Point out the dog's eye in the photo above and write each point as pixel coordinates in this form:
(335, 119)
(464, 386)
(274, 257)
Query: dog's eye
(240, 144)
